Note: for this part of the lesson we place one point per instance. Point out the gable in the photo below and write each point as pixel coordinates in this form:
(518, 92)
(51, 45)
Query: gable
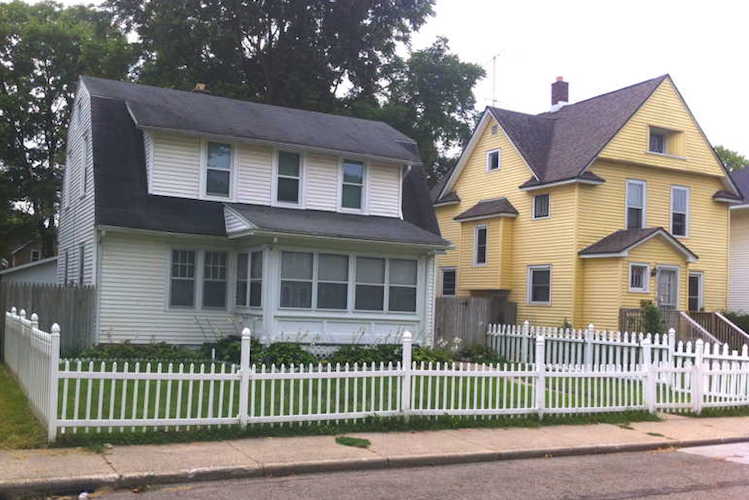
(665, 109)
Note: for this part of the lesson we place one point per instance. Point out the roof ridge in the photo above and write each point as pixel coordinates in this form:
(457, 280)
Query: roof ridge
(530, 115)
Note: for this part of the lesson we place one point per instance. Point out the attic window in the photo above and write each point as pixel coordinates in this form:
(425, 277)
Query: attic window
(493, 160)
(665, 142)
(657, 142)
(495, 129)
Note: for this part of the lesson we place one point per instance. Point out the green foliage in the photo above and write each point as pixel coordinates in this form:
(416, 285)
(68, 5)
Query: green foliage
(731, 159)
(352, 441)
(740, 320)
(158, 351)
(481, 354)
(566, 325)
(652, 318)
(18, 426)
(432, 355)
(284, 353)
(380, 353)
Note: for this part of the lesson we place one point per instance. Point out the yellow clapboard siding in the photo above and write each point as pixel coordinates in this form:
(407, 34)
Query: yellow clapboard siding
(601, 292)
(654, 252)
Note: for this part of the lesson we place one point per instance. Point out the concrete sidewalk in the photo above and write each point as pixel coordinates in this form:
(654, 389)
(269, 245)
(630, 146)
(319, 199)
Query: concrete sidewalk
(73, 470)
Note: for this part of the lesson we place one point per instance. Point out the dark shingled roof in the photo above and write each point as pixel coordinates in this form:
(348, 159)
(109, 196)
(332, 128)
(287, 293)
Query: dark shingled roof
(451, 197)
(625, 239)
(122, 198)
(585, 176)
(197, 112)
(487, 208)
(335, 225)
(741, 179)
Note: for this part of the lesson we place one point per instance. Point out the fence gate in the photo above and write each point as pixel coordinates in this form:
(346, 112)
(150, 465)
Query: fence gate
(469, 317)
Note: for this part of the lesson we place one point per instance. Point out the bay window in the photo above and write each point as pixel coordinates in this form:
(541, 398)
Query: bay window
(249, 279)
(402, 296)
(370, 284)
(296, 279)
(332, 281)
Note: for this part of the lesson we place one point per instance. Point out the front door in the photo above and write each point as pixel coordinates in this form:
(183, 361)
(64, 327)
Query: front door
(668, 288)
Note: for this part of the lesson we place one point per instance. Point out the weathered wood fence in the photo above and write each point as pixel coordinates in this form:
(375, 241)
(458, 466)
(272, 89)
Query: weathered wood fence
(468, 317)
(72, 307)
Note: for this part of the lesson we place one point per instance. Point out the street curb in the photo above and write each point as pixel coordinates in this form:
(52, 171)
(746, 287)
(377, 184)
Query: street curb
(77, 485)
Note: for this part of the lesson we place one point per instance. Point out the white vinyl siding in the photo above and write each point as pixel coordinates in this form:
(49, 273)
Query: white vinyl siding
(321, 189)
(383, 190)
(176, 165)
(254, 174)
(738, 293)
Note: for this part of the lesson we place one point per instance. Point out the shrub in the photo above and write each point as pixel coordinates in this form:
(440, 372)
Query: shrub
(380, 353)
(432, 355)
(158, 351)
(284, 353)
(740, 320)
(652, 318)
(478, 353)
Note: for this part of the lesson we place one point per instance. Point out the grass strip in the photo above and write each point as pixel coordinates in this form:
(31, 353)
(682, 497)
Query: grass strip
(19, 428)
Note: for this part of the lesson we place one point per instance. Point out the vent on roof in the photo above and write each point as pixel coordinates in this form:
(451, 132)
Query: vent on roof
(559, 93)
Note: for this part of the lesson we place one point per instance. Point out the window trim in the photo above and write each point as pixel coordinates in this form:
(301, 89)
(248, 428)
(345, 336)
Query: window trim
(364, 187)
(301, 191)
(548, 207)
(204, 171)
(646, 281)
(669, 267)
(476, 230)
(248, 279)
(197, 275)
(454, 269)
(499, 160)
(701, 295)
(686, 214)
(657, 131)
(317, 281)
(36, 252)
(529, 284)
(644, 185)
(227, 280)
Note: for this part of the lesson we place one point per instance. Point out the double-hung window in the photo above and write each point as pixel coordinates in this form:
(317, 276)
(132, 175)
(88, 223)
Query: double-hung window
(296, 279)
(480, 245)
(639, 275)
(289, 177)
(402, 292)
(332, 281)
(182, 282)
(214, 280)
(541, 206)
(370, 284)
(449, 281)
(250, 278)
(636, 199)
(352, 190)
(218, 169)
(539, 285)
(679, 210)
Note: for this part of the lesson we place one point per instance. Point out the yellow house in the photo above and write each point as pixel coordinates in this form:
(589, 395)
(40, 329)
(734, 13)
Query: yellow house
(590, 208)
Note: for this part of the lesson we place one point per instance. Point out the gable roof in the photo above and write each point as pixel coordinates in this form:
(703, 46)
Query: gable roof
(193, 112)
(122, 199)
(488, 208)
(618, 243)
(741, 179)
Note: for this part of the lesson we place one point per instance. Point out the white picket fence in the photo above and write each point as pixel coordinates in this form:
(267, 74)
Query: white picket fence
(106, 396)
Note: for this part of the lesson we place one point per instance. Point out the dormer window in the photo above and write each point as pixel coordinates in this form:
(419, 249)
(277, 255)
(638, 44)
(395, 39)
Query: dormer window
(666, 142)
(657, 141)
(493, 160)
(289, 177)
(218, 169)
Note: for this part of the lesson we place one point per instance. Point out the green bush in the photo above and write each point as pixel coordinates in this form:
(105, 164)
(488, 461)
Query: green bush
(284, 353)
(229, 349)
(740, 320)
(380, 353)
(158, 351)
(432, 355)
(478, 353)
(652, 318)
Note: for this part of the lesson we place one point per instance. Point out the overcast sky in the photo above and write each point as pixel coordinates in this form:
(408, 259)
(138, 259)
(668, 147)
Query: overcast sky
(599, 46)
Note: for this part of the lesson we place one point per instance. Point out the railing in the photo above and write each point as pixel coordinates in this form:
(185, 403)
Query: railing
(686, 328)
(690, 330)
(721, 328)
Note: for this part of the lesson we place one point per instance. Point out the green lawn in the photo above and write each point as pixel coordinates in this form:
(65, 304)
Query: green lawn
(18, 426)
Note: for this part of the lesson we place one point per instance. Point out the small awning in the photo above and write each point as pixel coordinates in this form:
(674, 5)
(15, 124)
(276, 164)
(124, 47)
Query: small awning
(619, 243)
(499, 207)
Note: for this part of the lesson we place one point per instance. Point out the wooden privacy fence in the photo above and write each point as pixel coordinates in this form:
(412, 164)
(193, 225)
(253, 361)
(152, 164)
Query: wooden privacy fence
(106, 396)
(468, 317)
(72, 307)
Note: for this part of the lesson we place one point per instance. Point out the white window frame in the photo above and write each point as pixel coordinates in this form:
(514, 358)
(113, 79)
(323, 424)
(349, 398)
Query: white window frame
(646, 278)
(227, 280)
(686, 214)
(701, 296)
(476, 230)
(197, 279)
(658, 131)
(529, 284)
(499, 160)
(666, 267)
(204, 170)
(37, 253)
(644, 202)
(301, 187)
(84, 164)
(248, 279)
(316, 281)
(442, 280)
(548, 209)
(342, 182)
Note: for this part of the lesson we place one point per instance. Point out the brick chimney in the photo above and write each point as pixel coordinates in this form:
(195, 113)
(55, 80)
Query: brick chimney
(559, 93)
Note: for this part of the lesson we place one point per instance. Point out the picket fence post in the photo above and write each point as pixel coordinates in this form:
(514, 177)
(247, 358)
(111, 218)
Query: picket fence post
(589, 346)
(406, 366)
(671, 346)
(649, 371)
(540, 375)
(698, 377)
(524, 353)
(244, 373)
(54, 366)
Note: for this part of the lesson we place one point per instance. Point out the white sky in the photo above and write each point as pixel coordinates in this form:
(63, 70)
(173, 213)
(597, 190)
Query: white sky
(599, 46)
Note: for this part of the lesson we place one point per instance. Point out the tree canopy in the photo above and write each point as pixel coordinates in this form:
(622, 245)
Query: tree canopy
(731, 159)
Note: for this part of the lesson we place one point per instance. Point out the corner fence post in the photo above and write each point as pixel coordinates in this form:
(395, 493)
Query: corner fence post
(540, 375)
(406, 366)
(698, 377)
(649, 372)
(53, 369)
(589, 346)
(244, 374)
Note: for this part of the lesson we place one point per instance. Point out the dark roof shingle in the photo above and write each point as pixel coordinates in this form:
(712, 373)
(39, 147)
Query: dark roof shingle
(624, 239)
(488, 208)
(741, 179)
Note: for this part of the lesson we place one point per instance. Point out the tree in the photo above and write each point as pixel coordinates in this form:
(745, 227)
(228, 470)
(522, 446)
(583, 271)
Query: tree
(43, 50)
(731, 159)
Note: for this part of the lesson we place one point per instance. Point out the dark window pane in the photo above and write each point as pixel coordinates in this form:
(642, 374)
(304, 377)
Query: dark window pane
(448, 282)
(242, 269)
(370, 270)
(182, 293)
(332, 295)
(482, 236)
(494, 160)
(403, 272)
(296, 265)
(353, 172)
(351, 196)
(296, 294)
(541, 206)
(219, 156)
(540, 294)
(637, 277)
(370, 297)
(481, 246)
(332, 267)
(540, 285)
(657, 143)
(241, 293)
(214, 294)
(217, 182)
(634, 218)
(288, 164)
(679, 224)
(402, 298)
(256, 266)
(288, 190)
(256, 293)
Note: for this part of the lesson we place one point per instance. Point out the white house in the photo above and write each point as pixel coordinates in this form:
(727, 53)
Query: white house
(195, 215)
(738, 292)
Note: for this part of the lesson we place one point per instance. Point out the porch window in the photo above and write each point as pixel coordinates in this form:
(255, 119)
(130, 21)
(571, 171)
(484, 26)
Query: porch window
(249, 278)
(402, 292)
(182, 282)
(448, 281)
(296, 279)
(353, 184)
(639, 275)
(256, 278)
(539, 285)
(679, 210)
(370, 284)
(541, 206)
(218, 169)
(480, 239)
(289, 177)
(214, 280)
(636, 196)
(332, 281)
